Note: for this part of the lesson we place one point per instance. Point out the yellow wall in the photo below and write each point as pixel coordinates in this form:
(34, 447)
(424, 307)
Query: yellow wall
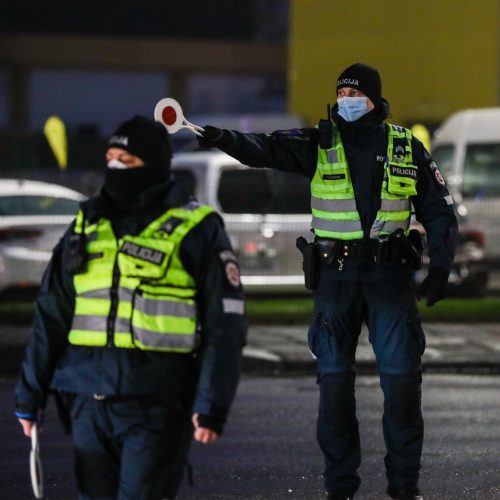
(434, 56)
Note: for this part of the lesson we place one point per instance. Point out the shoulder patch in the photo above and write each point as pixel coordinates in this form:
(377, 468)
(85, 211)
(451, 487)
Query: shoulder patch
(437, 173)
(231, 269)
(232, 274)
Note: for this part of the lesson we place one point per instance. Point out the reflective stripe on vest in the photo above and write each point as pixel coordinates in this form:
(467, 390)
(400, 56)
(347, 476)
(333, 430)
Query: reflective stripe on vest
(333, 201)
(155, 296)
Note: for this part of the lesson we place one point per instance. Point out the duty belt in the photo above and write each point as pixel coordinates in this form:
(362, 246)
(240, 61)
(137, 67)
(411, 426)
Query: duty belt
(396, 248)
(329, 249)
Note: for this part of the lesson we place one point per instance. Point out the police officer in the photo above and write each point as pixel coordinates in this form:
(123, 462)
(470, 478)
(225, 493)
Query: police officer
(139, 325)
(365, 177)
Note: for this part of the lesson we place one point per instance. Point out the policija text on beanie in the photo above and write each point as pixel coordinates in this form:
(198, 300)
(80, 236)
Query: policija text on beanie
(146, 139)
(364, 78)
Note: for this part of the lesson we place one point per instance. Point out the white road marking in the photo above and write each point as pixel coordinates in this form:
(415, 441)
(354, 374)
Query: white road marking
(430, 352)
(446, 341)
(490, 344)
(253, 352)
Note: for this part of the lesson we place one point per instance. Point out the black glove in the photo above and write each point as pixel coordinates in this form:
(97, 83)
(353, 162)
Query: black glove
(210, 137)
(435, 285)
(211, 422)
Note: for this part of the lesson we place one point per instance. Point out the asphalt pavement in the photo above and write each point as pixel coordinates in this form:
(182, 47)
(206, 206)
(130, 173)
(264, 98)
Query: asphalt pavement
(269, 452)
(269, 449)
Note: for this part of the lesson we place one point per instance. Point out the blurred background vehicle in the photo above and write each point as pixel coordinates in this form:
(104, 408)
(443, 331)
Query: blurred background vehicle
(466, 148)
(266, 210)
(470, 273)
(33, 217)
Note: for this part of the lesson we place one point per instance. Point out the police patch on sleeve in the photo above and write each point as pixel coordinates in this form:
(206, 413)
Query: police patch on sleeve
(232, 274)
(437, 173)
(231, 268)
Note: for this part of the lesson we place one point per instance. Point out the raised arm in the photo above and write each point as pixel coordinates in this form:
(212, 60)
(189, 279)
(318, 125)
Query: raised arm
(293, 150)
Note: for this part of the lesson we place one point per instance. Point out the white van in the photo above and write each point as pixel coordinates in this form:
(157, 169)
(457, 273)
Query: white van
(466, 148)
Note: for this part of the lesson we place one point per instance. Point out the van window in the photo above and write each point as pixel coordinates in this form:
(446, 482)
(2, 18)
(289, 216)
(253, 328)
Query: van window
(443, 156)
(482, 170)
(263, 191)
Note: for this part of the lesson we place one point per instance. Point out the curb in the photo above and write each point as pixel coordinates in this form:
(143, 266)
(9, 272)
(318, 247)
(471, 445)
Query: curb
(256, 364)
(282, 367)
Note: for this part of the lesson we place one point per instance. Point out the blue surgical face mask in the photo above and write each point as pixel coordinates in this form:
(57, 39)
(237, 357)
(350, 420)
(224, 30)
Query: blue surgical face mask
(352, 108)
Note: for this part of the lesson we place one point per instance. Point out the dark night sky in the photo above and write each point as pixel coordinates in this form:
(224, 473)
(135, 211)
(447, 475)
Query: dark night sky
(218, 19)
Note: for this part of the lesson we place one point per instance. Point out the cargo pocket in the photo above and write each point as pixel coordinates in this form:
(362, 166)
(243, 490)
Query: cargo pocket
(314, 334)
(77, 406)
(417, 335)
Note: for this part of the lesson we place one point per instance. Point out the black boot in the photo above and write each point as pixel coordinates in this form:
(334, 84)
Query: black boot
(404, 493)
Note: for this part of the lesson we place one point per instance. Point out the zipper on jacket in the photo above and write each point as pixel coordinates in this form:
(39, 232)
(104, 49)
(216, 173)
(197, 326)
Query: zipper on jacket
(113, 296)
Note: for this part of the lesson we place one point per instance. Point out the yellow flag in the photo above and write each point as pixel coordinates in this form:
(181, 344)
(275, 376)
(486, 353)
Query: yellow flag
(422, 134)
(55, 132)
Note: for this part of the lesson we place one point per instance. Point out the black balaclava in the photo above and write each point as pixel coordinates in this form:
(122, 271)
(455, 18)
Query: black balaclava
(149, 141)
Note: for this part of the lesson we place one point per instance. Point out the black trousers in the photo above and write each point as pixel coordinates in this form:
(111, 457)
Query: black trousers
(389, 309)
(129, 449)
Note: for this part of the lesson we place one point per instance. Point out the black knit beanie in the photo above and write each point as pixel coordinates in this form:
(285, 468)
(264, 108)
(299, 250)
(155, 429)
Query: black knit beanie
(364, 78)
(147, 139)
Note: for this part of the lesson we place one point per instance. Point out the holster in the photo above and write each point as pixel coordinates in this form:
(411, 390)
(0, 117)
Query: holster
(413, 249)
(309, 262)
(398, 248)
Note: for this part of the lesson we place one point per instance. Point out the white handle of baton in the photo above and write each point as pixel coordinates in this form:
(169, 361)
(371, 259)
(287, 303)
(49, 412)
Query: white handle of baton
(36, 464)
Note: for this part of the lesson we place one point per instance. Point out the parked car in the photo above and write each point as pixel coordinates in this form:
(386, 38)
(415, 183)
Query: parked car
(266, 210)
(33, 217)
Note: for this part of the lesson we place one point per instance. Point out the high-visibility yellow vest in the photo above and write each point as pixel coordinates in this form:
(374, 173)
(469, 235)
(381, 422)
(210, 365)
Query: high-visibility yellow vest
(333, 201)
(134, 291)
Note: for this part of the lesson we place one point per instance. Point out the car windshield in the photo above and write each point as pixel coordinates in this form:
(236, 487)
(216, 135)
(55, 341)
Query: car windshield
(37, 205)
(482, 170)
(263, 191)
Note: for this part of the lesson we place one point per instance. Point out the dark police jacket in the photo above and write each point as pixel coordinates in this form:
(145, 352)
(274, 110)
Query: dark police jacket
(365, 143)
(209, 376)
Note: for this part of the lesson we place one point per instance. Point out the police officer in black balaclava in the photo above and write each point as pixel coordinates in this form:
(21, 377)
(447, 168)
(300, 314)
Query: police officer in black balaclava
(136, 143)
(139, 326)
